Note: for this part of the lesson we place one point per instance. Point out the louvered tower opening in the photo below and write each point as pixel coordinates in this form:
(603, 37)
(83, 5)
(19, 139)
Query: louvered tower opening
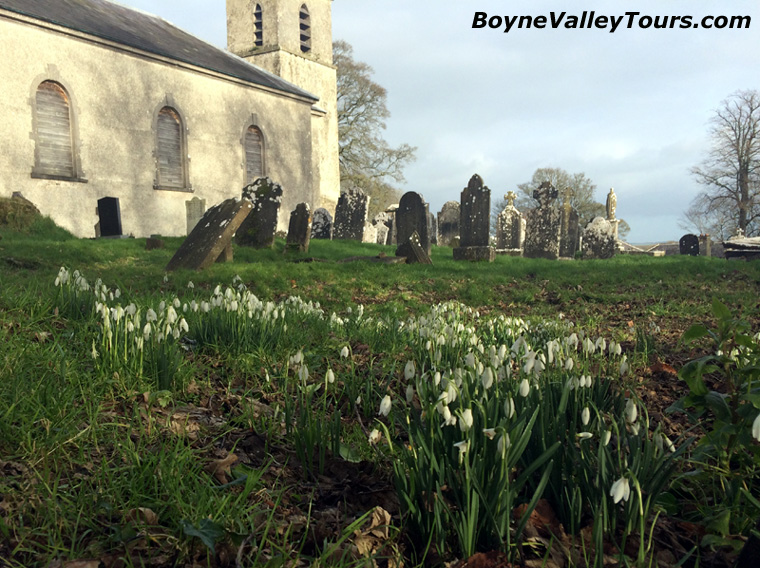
(305, 28)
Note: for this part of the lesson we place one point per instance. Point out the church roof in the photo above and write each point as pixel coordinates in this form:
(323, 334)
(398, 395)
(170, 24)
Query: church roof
(136, 29)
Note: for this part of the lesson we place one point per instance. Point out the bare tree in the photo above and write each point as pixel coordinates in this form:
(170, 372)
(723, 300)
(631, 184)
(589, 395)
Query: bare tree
(366, 159)
(730, 173)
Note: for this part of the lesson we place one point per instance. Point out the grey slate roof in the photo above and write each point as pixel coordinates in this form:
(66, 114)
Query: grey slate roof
(133, 28)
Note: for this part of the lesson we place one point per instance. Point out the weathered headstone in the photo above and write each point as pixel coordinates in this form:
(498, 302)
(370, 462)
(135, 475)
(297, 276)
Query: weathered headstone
(448, 223)
(299, 229)
(194, 210)
(689, 245)
(321, 224)
(391, 212)
(433, 228)
(543, 225)
(599, 240)
(259, 228)
(154, 242)
(411, 217)
(570, 231)
(351, 215)
(705, 244)
(370, 233)
(109, 213)
(212, 236)
(414, 250)
(474, 222)
(382, 223)
(510, 232)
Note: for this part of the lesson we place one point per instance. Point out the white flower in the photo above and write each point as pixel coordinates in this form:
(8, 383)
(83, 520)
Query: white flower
(146, 331)
(437, 378)
(409, 394)
(385, 405)
(756, 428)
(344, 352)
(190, 284)
(303, 373)
(503, 444)
(466, 420)
(624, 367)
(462, 446)
(409, 370)
(330, 376)
(530, 361)
(469, 360)
(585, 435)
(607, 436)
(374, 437)
(585, 416)
(487, 378)
(524, 388)
(448, 418)
(509, 407)
(588, 346)
(631, 411)
(151, 315)
(620, 490)
(489, 433)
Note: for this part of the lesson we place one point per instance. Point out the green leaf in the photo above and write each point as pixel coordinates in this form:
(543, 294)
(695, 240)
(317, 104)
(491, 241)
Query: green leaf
(720, 310)
(694, 332)
(720, 523)
(207, 530)
(349, 454)
(692, 373)
(716, 402)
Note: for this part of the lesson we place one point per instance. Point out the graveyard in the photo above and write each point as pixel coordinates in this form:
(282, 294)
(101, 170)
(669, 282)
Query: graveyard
(306, 402)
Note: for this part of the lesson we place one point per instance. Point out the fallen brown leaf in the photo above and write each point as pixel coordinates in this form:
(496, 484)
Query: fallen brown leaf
(222, 469)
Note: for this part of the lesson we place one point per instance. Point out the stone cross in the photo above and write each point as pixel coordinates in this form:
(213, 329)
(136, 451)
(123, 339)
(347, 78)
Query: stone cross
(510, 197)
(545, 195)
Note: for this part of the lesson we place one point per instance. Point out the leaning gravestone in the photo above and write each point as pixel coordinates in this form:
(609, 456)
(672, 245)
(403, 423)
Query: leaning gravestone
(351, 215)
(474, 222)
(510, 232)
(543, 225)
(258, 230)
(211, 239)
(321, 224)
(299, 229)
(414, 251)
(411, 217)
(689, 244)
(570, 230)
(448, 223)
(599, 240)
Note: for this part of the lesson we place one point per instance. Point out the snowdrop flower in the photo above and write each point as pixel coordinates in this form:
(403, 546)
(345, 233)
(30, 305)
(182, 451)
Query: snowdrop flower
(358, 400)
(374, 437)
(296, 359)
(588, 346)
(503, 444)
(572, 341)
(524, 388)
(151, 315)
(409, 370)
(509, 407)
(462, 446)
(585, 435)
(385, 405)
(146, 331)
(601, 344)
(487, 378)
(344, 352)
(409, 394)
(569, 364)
(437, 378)
(469, 360)
(620, 490)
(448, 418)
(756, 428)
(330, 376)
(530, 362)
(166, 278)
(585, 416)
(489, 433)
(94, 351)
(624, 367)
(303, 373)
(631, 411)
(606, 438)
(465, 423)
(190, 284)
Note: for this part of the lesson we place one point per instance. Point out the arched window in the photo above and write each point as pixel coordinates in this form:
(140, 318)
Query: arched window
(258, 26)
(170, 150)
(254, 154)
(54, 139)
(305, 24)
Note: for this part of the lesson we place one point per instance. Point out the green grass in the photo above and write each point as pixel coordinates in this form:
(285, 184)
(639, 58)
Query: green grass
(96, 464)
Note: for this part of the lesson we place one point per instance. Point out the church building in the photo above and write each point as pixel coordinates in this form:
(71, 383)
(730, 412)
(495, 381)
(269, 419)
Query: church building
(117, 122)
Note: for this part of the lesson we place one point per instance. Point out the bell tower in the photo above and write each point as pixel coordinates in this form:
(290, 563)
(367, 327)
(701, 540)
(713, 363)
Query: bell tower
(293, 39)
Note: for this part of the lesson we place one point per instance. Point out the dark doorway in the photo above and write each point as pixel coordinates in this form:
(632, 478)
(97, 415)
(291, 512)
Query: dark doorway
(110, 217)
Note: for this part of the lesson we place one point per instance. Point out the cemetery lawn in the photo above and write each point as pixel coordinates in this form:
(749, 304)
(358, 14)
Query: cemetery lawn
(232, 455)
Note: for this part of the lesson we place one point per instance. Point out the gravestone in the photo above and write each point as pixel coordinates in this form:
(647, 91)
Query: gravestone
(109, 214)
(211, 239)
(414, 251)
(259, 228)
(599, 240)
(705, 244)
(194, 210)
(382, 223)
(370, 233)
(411, 217)
(543, 225)
(474, 222)
(570, 231)
(351, 215)
(299, 229)
(321, 224)
(448, 223)
(154, 242)
(510, 230)
(391, 212)
(689, 245)
(433, 228)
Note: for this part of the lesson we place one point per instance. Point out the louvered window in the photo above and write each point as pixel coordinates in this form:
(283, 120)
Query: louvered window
(258, 26)
(305, 28)
(170, 151)
(55, 155)
(254, 154)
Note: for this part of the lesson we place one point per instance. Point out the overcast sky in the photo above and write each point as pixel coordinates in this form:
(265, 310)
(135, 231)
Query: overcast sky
(630, 109)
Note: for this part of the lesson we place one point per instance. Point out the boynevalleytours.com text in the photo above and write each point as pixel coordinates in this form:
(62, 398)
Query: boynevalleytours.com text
(593, 20)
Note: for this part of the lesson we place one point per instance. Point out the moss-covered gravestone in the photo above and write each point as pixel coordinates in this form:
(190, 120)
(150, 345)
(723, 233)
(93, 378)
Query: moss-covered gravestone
(259, 229)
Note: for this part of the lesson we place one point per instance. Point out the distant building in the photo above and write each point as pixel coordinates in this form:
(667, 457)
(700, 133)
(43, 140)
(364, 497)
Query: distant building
(111, 114)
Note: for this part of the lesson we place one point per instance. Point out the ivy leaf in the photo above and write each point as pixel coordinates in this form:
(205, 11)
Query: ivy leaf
(693, 371)
(207, 530)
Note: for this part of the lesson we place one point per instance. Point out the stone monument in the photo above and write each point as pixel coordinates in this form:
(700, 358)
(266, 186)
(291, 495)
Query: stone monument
(543, 225)
(351, 215)
(259, 228)
(474, 222)
(510, 229)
